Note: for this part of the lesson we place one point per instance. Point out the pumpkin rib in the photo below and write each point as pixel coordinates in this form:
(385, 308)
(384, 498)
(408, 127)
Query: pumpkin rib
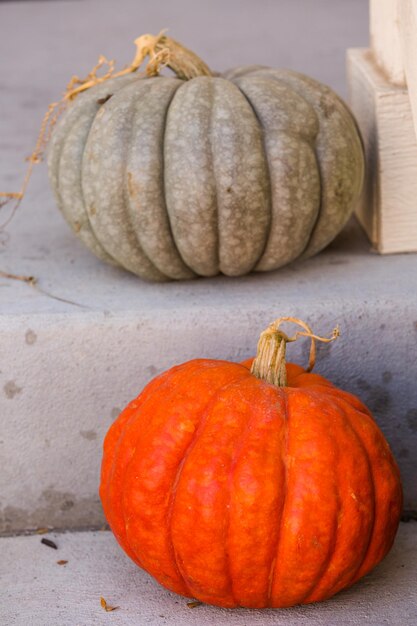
(145, 180)
(121, 422)
(137, 404)
(380, 543)
(343, 397)
(353, 189)
(252, 492)
(245, 70)
(239, 445)
(263, 264)
(372, 484)
(125, 184)
(322, 589)
(55, 155)
(173, 490)
(165, 382)
(119, 531)
(311, 506)
(241, 179)
(156, 385)
(284, 460)
(341, 129)
(104, 181)
(67, 124)
(268, 166)
(189, 178)
(393, 465)
(372, 481)
(303, 379)
(202, 497)
(320, 206)
(204, 418)
(307, 126)
(244, 472)
(189, 368)
(76, 110)
(351, 138)
(163, 183)
(124, 162)
(324, 567)
(86, 232)
(291, 218)
(189, 167)
(172, 496)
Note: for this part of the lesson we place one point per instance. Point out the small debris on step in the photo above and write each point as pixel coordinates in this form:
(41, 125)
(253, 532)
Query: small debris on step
(49, 543)
(106, 606)
(193, 604)
(42, 531)
(62, 562)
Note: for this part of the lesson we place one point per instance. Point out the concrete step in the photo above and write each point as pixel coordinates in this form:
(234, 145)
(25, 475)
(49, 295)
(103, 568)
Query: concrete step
(66, 370)
(36, 591)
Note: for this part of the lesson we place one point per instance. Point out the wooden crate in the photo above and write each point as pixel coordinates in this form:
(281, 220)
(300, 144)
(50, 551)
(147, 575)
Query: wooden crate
(383, 96)
(388, 207)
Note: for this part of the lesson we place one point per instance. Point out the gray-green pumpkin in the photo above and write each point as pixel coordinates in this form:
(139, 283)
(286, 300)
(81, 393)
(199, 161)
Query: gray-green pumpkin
(172, 178)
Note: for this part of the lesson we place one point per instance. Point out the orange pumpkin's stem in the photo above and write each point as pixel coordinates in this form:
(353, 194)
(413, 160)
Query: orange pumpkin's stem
(269, 364)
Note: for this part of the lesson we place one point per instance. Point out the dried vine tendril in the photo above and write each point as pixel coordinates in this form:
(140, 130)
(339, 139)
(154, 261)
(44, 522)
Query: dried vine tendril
(161, 50)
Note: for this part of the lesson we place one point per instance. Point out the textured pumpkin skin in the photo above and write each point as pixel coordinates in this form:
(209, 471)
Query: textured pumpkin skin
(233, 491)
(171, 179)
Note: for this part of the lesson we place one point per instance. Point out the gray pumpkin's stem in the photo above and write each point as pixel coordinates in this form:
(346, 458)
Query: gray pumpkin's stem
(269, 364)
(164, 51)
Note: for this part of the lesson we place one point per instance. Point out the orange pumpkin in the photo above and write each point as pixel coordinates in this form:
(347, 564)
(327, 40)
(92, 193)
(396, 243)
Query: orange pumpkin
(242, 492)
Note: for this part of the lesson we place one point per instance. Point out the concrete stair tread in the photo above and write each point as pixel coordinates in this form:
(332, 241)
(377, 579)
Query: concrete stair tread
(74, 284)
(67, 371)
(36, 591)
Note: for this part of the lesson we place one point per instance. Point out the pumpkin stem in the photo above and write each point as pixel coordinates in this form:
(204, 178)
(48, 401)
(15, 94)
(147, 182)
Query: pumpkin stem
(164, 51)
(269, 364)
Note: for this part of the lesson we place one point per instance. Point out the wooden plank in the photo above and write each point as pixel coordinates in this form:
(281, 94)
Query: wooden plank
(388, 207)
(386, 38)
(408, 30)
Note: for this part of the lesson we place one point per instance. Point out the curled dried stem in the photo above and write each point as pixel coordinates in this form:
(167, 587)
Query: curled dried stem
(269, 364)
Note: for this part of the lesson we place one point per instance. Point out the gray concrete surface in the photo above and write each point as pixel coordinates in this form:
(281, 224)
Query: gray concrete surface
(76, 350)
(36, 591)
(66, 371)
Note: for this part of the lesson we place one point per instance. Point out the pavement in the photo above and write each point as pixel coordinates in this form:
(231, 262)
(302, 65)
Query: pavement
(36, 591)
